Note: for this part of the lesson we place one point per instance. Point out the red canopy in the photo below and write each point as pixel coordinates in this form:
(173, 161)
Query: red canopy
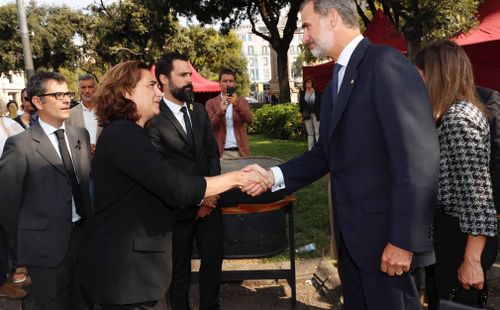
(482, 45)
(201, 84)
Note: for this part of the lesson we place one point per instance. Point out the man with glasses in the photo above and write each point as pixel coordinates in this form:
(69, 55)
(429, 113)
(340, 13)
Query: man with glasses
(83, 114)
(43, 224)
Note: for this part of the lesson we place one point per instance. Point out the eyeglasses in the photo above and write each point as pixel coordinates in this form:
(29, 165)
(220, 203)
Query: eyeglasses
(59, 95)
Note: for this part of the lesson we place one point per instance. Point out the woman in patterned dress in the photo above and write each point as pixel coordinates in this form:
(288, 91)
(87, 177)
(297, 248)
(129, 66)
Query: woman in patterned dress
(465, 224)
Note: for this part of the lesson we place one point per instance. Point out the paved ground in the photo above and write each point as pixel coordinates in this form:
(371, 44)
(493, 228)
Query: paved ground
(318, 287)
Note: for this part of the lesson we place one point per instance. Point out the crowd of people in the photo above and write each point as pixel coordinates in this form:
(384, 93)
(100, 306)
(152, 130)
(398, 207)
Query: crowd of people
(101, 201)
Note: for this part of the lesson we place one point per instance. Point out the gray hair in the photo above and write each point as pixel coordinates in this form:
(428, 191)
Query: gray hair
(86, 77)
(36, 84)
(345, 8)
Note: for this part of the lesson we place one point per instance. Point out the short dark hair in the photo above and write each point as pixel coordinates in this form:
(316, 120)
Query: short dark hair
(86, 77)
(166, 64)
(36, 84)
(226, 71)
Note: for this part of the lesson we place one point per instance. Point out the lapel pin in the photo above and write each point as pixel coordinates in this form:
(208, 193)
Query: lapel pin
(352, 82)
(190, 107)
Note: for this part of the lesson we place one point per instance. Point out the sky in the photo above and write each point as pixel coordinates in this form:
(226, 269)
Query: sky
(77, 4)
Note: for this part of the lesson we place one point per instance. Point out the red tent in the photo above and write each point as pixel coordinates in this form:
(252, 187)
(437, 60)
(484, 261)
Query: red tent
(482, 44)
(382, 31)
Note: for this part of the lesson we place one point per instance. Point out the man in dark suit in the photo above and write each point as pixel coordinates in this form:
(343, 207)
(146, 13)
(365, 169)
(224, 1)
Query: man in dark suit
(182, 133)
(45, 199)
(379, 142)
(491, 99)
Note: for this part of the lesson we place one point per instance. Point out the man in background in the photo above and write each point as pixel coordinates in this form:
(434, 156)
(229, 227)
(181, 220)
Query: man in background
(83, 114)
(229, 113)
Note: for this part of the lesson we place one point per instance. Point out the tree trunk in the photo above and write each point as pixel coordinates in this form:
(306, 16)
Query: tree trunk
(282, 60)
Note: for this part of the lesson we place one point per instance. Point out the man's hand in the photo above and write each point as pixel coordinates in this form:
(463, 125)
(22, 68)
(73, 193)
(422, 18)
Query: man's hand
(233, 99)
(210, 202)
(207, 206)
(259, 180)
(470, 274)
(203, 212)
(395, 260)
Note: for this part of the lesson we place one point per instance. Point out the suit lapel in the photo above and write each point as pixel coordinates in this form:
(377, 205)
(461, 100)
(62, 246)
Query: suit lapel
(166, 112)
(45, 148)
(75, 146)
(348, 83)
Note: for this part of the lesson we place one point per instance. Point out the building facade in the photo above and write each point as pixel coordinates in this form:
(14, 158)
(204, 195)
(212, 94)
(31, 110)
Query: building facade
(262, 64)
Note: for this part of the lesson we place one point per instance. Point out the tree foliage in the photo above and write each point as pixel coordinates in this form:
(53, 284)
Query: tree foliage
(231, 12)
(52, 32)
(423, 21)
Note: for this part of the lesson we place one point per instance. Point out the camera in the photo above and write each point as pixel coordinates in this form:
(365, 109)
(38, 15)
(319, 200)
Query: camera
(230, 91)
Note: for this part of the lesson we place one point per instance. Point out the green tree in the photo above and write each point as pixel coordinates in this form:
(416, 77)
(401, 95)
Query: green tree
(124, 30)
(52, 29)
(423, 21)
(210, 51)
(231, 12)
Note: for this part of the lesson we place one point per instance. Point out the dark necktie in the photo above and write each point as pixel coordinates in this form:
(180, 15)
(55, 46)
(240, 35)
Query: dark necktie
(335, 85)
(187, 122)
(68, 165)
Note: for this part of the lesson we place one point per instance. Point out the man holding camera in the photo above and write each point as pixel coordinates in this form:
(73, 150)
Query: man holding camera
(228, 113)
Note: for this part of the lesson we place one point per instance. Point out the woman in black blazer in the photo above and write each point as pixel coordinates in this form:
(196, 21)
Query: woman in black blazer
(126, 254)
(310, 106)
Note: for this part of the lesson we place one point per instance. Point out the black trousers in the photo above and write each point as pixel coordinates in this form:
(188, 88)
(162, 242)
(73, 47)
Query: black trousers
(208, 234)
(450, 244)
(375, 291)
(150, 305)
(58, 288)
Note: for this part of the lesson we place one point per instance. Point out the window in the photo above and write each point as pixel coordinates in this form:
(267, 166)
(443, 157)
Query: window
(250, 50)
(256, 74)
(251, 62)
(252, 74)
(265, 50)
(249, 37)
(292, 50)
(266, 75)
(266, 61)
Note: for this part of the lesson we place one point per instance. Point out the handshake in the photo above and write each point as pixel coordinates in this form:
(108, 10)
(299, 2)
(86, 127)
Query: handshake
(254, 180)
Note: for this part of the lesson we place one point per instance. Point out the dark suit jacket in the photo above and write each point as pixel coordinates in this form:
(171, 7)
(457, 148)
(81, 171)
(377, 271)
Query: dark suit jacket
(317, 104)
(381, 148)
(170, 139)
(126, 250)
(36, 194)
(491, 99)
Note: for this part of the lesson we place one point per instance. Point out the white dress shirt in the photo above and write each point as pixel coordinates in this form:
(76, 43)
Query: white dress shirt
(344, 57)
(90, 121)
(230, 136)
(50, 132)
(176, 110)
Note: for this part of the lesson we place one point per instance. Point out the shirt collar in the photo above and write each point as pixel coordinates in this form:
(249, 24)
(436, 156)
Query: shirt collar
(49, 129)
(346, 53)
(85, 108)
(174, 107)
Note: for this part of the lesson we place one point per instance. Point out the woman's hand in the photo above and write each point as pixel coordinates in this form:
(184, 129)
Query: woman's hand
(470, 274)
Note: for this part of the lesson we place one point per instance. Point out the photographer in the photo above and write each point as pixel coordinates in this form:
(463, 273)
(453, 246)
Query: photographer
(228, 114)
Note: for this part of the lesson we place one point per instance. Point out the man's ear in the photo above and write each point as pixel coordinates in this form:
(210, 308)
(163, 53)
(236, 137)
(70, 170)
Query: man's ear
(333, 17)
(163, 79)
(37, 102)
